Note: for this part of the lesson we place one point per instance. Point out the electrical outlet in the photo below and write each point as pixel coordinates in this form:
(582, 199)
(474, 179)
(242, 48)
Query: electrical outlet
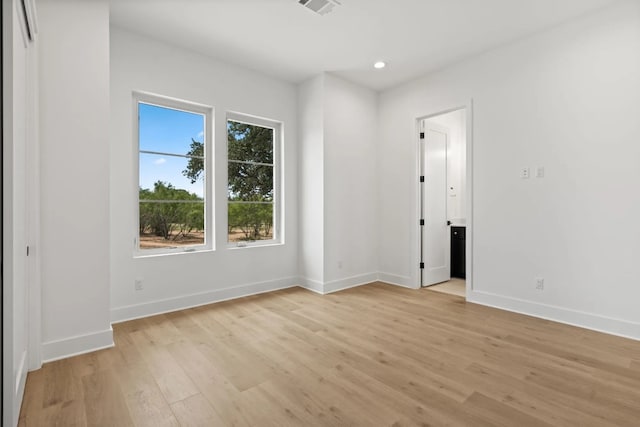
(540, 284)
(524, 173)
(540, 172)
(138, 284)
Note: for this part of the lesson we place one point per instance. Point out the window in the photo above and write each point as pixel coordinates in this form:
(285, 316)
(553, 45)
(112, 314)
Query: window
(253, 180)
(173, 203)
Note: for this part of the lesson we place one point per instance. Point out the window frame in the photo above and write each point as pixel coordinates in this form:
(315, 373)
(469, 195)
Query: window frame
(209, 201)
(278, 194)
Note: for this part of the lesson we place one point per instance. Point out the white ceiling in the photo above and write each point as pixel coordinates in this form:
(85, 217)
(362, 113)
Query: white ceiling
(283, 39)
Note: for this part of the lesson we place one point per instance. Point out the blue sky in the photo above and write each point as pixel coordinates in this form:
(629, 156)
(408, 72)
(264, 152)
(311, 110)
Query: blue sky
(168, 131)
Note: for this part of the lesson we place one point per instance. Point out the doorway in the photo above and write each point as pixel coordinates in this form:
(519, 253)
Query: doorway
(444, 196)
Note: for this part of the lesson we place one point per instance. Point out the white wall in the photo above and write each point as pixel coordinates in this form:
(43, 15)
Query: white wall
(569, 100)
(311, 182)
(74, 129)
(181, 280)
(350, 193)
(337, 193)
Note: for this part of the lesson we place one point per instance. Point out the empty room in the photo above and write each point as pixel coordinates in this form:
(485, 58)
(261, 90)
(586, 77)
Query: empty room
(320, 213)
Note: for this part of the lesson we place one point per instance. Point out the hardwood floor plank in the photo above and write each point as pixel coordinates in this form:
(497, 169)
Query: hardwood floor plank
(104, 403)
(147, 406)
(499, 414)
(195, 411)
(32, 404)
(613, 365)
(161, 329)
(174, 384)
(212, 384)
(60, 383)
(605, 400)
(372, 355)
(70, 413)
(538, 401)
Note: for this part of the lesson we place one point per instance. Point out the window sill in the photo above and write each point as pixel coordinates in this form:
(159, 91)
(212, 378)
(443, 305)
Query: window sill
(139, 255)
(255, 244)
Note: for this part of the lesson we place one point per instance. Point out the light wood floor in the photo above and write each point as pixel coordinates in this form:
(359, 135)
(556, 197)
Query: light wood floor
(453, 286)
(376, 355)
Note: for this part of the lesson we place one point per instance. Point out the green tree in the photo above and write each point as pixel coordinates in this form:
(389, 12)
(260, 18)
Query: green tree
(250, 174)
(250, 153)
(195, 165)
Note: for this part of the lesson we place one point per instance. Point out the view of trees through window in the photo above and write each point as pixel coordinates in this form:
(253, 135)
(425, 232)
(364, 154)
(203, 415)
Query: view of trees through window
(171, 177)
(250, 190)
(172, 170)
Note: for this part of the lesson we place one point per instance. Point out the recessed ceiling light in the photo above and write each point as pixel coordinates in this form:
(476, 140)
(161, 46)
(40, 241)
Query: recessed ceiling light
(379, 65)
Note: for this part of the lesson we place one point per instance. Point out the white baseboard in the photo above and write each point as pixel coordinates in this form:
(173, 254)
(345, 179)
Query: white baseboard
(392, 279)
(17, 395)
(580, 319)
(349, 282)
(21, 375)
(73, 346)
(121, 314)
(337, 285)
(311, 285)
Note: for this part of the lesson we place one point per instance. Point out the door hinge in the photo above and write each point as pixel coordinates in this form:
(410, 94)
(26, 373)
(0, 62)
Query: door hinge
(27, 250)
(421, 135)
(421, 178)
(422, 222)
(422, 265)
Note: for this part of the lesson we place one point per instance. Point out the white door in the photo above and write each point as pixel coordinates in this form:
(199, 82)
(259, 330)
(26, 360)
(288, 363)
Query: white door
(436, 254)
(17, 115)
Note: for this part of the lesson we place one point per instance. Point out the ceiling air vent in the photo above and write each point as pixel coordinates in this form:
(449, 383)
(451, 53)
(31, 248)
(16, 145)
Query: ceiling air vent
(321, 7)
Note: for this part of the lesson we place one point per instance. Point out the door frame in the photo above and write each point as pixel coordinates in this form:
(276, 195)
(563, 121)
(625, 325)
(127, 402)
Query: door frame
(467, 106)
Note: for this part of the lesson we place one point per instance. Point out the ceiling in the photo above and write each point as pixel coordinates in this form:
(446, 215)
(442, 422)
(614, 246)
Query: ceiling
(283, 39)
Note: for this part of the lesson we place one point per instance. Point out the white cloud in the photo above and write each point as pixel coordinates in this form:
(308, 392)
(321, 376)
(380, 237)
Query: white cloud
(200, 134)
(160, 161)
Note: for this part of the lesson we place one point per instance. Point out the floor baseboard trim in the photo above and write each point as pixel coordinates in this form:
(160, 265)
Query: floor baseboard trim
(68, 347)
(393, 279)
(337, 285)
(607, 325)
(122, 314)
(311, 285)
(21, 374)
(349, 282)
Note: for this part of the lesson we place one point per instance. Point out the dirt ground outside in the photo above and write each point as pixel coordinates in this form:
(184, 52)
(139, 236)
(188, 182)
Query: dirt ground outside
(151, 241)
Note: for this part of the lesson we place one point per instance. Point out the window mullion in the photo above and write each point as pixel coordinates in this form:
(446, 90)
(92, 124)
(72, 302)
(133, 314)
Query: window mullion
(160, 153)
